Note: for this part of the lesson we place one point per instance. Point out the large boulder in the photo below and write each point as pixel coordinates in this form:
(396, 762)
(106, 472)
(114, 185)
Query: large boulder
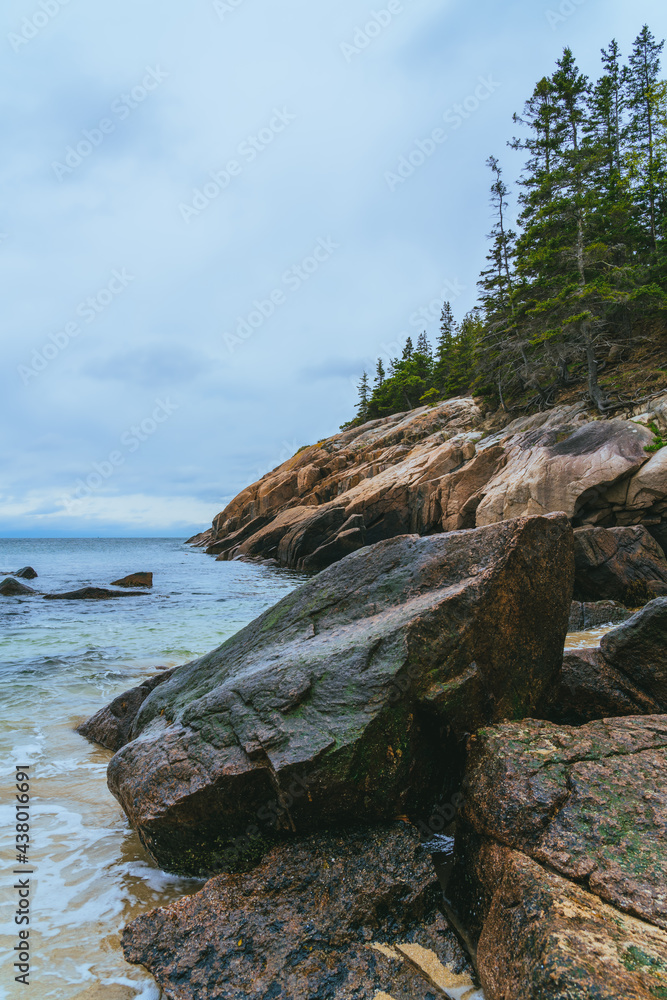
(591, 688)
(621, 564)
(562, 466)
(12, 588)
(639, 649)
(337, 917)
(561, 855)
(547, 937)
(344, 697)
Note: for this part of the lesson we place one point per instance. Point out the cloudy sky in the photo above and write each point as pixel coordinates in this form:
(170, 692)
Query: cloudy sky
(214, 215)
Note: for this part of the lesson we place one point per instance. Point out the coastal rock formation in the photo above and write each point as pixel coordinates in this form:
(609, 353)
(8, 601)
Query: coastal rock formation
(625, 675)
(343, 702)
(135, 580)
(93, 594)
(12, 588)
(621, 564)
(333, 916)
(444, 468)
(561, 857)
(111, 727)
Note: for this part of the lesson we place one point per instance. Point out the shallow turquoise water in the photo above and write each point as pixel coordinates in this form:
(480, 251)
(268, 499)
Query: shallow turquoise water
(59, 663)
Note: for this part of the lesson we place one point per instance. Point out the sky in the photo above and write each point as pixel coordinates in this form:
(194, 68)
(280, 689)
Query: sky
(216, 215)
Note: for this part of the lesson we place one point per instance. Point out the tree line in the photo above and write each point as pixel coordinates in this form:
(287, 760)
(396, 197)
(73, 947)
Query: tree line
(584, 264)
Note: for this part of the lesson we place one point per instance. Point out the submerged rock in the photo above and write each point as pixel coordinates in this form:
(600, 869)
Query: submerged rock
(135, 580)
(621, 564)
(12, 588)
(561, 857)
(333, 916)
(344, 702)
(93, 594)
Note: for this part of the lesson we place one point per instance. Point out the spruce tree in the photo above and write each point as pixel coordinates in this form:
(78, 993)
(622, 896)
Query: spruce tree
(646, 162)
(364, 396)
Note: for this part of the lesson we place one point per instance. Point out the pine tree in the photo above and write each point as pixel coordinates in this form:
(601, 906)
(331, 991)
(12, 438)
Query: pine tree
(407, 350)
(379, 374)
(643, 96)
(443, 351)
(362, 405)
(423, 346)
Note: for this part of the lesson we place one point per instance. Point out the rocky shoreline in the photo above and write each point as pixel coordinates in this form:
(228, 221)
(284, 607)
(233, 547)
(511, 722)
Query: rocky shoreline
(396, 781)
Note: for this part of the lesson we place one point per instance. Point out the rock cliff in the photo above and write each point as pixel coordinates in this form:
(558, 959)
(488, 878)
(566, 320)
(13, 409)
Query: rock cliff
(443, 468)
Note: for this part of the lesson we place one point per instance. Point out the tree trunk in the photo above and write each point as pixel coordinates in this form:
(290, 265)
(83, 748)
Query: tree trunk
(595, 390)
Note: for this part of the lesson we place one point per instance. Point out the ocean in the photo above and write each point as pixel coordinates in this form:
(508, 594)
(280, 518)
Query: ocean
(59, 663)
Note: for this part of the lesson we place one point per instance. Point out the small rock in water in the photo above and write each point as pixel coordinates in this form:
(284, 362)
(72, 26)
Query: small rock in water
(12, 588)
(27, 573)
(92, 594)
(135, 580)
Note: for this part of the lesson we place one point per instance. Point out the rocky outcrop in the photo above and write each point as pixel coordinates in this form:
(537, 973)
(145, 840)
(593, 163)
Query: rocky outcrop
(12, 588)
(445, 468)
(561, 858)
(93, 594)
(339, 704)
(625, 675)
(333, 916)
(135, 580)
(111, 727)
(621, 564)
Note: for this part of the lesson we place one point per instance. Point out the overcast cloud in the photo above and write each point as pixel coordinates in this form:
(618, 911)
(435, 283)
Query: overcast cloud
(205, 235)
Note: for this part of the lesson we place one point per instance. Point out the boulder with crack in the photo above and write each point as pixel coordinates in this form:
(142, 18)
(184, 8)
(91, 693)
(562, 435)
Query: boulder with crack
(561, 859)
(345, 696)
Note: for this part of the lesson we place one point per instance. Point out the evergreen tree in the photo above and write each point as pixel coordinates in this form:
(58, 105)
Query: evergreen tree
(423, 346)
(379, 374)
(407, 350)
(646, 162)
(364, 396)
(443, 351)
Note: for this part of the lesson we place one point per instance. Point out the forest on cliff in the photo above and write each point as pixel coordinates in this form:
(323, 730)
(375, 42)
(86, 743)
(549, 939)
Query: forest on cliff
(572, 301)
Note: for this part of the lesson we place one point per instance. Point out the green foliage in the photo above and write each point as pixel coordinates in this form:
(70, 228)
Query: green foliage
(586, 263)
(658, 442)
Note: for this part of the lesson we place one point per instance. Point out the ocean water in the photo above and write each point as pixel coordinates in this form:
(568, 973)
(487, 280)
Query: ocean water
(59, 663)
